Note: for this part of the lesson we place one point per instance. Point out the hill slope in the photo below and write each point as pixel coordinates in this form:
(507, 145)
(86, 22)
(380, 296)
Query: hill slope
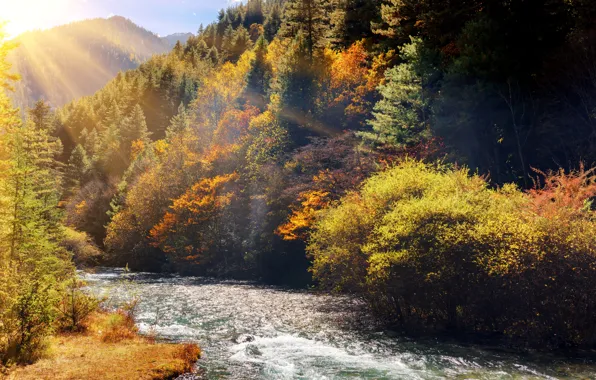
(67, 62)
(173, 38)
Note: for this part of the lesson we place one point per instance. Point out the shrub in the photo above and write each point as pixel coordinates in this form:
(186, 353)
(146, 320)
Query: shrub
(29, 321)
(75, 307)
(119, 326)
(436, 248)
(84, 251)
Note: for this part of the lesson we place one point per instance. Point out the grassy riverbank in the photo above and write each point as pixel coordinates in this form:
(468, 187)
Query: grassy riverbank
(110, 348)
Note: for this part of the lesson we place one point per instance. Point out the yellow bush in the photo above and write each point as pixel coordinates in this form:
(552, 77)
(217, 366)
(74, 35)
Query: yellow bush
(433, 247)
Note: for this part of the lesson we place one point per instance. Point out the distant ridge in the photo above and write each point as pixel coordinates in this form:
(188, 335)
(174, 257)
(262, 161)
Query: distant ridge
(70, 61)
(173, 38)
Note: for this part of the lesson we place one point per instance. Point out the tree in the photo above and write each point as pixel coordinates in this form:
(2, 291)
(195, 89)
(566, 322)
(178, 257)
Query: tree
(78, 165)
(273, 22)
(307, 17)
(296, 87)
(259, 75)
(179, 123)
(351, 21)
(134, 128)
(241, 43)
(254, 13)
(196, 218)
(403, 115)
(42, 116)
(227, 44)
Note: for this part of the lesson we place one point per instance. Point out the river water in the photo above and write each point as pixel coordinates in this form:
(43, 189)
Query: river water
(248, 331)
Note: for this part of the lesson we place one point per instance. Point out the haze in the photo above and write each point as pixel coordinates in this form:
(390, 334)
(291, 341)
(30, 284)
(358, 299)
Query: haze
(160, 16)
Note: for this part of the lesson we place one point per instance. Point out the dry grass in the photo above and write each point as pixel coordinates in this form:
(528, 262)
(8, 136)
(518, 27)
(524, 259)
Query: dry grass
(92, 356)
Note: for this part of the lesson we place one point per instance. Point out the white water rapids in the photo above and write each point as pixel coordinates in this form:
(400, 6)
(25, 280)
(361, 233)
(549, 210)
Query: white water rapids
(248, 331)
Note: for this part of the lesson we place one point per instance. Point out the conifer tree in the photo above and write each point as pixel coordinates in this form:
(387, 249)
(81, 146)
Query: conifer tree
(78, 165)
(42, 116)
(351, 21)
(259, 75)
(227, 44)
(403, 115)
(296, 87)
(308, 17)
(179, 123)
(213, 55)
(273, 22)
(90, 143)
(242, 42)
(254, 13)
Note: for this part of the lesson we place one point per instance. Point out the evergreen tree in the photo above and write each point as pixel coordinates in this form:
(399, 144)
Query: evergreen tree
(273, 22)
(242, 43)
(133, 131)
(78, 165)
(308, 17)
(213, 55)
(296, 87)
(259, 75)
(90, 143)
(351, 21)
(227, 44)
(222, 27)
(254, 13)
(42, 116)
(403, 115)
(179, 123)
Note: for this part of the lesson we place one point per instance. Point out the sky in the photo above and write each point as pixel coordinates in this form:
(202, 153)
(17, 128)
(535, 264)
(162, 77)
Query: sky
(159, 16)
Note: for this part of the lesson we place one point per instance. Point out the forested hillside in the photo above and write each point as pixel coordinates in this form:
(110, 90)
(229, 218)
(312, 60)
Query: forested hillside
(65, 63)
(431, 156)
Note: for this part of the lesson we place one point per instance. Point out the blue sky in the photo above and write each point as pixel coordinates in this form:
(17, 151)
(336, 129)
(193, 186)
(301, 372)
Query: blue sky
(160, 16)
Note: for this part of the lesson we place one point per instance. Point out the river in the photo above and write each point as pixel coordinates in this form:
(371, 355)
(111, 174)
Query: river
(249, 331)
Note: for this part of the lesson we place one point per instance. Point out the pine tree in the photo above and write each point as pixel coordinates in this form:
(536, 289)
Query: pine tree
(133, 130)
(259, 75)
(91, 143)
(403, 115)
(254, 13)
(296, 87)
(42, 116)
(273, 22)
(78, 165)
(221, 28)
(227, 44)
(179, 123)
(308, 17)
(351, 21)
(213, 55)
(242, 43)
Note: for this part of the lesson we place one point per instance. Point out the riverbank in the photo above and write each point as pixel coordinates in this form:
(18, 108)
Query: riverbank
(108, 349)
(254, 331)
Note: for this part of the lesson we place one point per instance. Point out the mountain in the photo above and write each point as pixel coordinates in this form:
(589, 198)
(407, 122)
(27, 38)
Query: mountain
(70, 61)
(173, 38)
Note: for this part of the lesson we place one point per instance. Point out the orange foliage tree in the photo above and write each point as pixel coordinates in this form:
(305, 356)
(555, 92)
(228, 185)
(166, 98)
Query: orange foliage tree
(353, 79)
(190, 232)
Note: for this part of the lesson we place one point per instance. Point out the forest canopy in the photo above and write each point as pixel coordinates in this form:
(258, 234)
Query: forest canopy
(430, 156)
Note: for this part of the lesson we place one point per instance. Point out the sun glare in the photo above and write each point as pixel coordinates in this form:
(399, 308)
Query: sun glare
(24, 15)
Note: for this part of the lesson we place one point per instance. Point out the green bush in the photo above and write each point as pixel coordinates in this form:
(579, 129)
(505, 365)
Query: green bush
(436, 248)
